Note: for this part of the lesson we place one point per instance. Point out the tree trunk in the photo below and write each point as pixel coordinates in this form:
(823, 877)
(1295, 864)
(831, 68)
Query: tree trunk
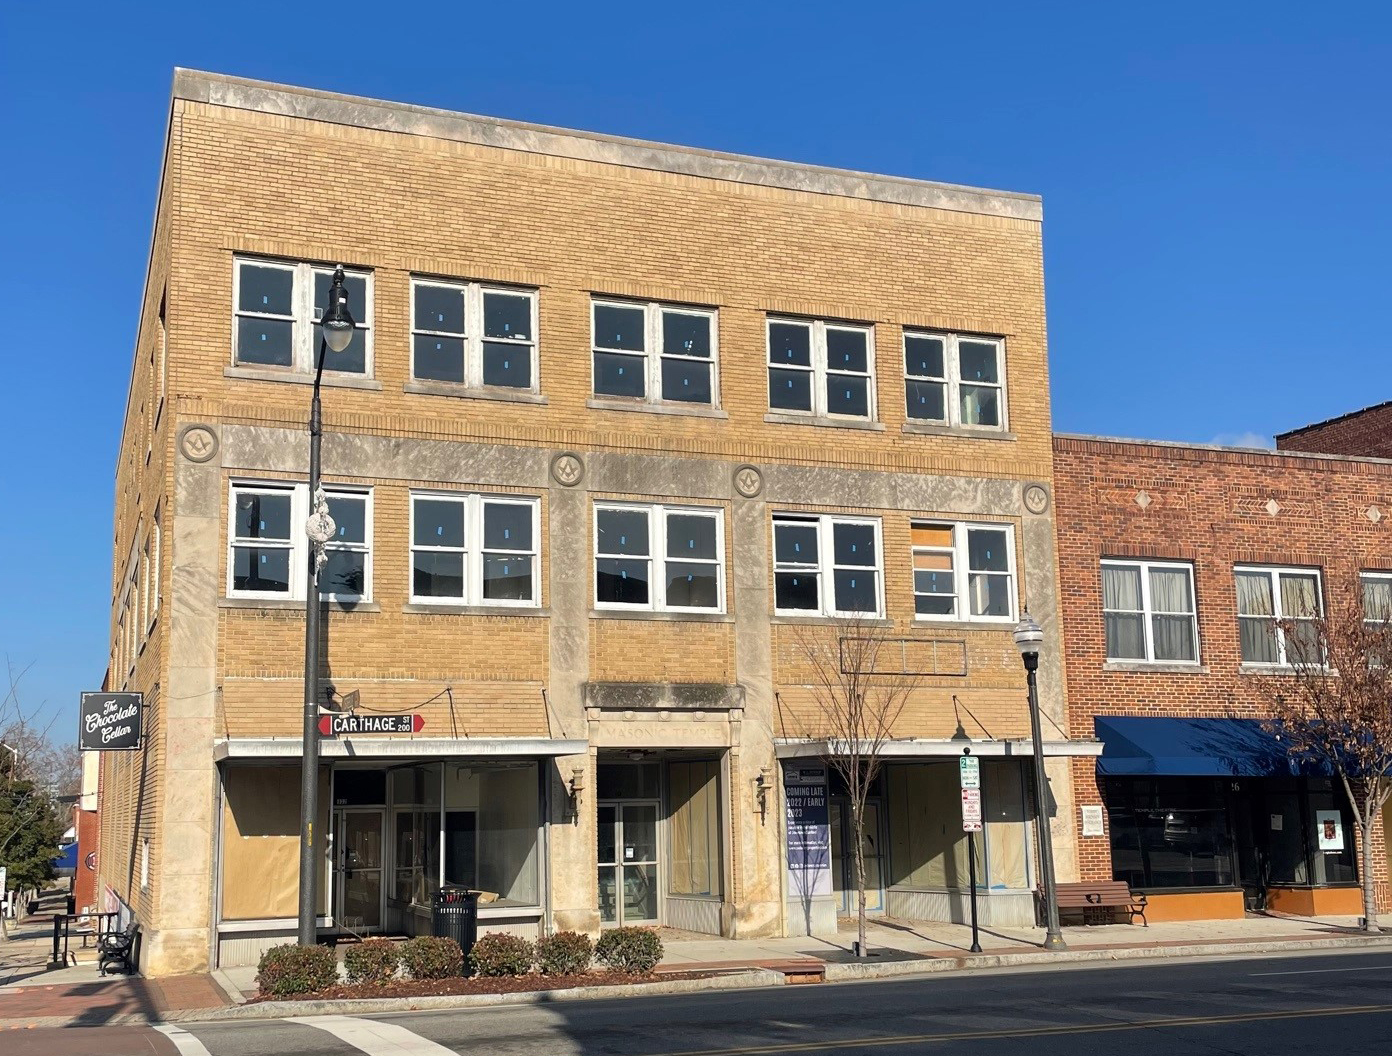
(858, 825)
(1365, 870)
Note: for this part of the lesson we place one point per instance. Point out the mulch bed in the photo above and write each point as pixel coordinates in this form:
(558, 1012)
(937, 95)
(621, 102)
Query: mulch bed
(514, 984)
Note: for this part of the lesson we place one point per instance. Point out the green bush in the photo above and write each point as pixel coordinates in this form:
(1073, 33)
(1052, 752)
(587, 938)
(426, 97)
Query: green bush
(635, 951)
(498, 953)
(426, 957)
(371, 961)
(564, 953)
(287, 970)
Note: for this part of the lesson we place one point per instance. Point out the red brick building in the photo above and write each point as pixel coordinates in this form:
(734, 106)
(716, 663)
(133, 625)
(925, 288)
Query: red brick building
(1367, 433)
(1174, 563)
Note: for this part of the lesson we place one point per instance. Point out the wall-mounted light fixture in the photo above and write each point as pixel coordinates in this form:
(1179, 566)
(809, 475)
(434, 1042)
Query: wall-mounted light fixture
(762, 783)
(575, 786)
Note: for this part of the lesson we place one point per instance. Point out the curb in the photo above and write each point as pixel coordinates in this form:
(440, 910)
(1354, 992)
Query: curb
(977, 961)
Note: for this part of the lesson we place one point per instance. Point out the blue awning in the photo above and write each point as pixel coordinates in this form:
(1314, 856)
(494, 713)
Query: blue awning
(1137, 747)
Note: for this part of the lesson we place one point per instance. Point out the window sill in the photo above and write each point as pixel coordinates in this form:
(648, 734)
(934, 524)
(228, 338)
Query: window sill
(1278, 669)
(466, 392)
(294, 377)
(690, 410)
(663, 616)
(426, 609)
(1157, 668)
(962, 431)
(297, 604)
(965, 625)
(822, 621)
(774, 418)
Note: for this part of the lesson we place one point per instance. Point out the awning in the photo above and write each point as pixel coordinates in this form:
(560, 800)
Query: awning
(1177, 747)
(399, 747)
(921, 748)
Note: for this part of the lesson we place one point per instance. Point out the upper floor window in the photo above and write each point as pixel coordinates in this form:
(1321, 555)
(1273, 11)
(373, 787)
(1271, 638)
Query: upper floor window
(1148, 611)
(665, 558)
(1377, 596)
(474, 549)
(963, 571)
(827, 566)
(820, 368)
(473, 334)
(1265, 597)
(954, 379)
(277, 305)
(654, 352)
(268, 551)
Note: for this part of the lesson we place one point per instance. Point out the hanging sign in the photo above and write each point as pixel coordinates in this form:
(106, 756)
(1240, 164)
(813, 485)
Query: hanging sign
(971, 810)
(333, 725)
(109, 722)
(808, 829)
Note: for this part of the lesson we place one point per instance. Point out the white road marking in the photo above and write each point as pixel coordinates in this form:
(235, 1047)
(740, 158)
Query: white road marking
(185, 1042)
(374, 1037)
(1323, 971)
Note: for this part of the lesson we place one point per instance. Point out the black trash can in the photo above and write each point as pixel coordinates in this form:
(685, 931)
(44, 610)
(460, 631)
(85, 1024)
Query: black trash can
(454, 915)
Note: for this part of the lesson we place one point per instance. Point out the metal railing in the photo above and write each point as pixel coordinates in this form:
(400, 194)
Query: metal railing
(100, 924)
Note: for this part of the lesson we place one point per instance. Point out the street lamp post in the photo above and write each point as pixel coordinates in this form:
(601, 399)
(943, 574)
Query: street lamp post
(337, 333)
(1029, 639)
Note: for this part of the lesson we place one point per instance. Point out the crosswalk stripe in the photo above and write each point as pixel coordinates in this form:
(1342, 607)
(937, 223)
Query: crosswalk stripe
(185, 1042)
(375, 1037)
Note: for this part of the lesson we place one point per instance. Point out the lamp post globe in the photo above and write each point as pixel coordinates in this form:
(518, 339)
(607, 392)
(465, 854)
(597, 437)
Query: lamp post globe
(1029, 636)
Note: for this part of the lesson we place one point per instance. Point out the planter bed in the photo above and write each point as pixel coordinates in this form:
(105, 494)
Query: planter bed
(502, 984)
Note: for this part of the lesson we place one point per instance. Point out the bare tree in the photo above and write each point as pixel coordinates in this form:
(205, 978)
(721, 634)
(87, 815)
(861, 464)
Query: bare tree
(859, 682)
(1334, 709)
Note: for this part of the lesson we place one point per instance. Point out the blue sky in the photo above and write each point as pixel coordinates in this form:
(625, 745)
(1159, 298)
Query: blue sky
(1215, 179)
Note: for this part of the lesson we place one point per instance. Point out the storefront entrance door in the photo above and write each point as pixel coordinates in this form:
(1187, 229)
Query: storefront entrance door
(843, 868)
(628, 862)
(357, 869)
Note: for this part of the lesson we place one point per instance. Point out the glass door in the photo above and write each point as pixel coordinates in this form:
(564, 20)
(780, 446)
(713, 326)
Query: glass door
(628, 862)
(358, 869)
(843, 870)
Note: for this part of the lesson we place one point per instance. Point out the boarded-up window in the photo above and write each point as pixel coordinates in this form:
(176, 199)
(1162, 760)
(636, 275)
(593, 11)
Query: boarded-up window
(694, 827)
(261, 841)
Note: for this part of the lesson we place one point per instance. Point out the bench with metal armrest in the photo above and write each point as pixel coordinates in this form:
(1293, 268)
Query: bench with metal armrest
(1099, 901)
(117, 948)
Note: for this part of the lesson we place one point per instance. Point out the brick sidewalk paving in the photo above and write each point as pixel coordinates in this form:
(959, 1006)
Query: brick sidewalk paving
(100, 1001)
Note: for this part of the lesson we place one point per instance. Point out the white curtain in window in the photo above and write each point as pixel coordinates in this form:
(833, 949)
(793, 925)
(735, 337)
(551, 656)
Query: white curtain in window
(1121, 588)
(1254, 594)
(1169, 590)
(1169, 595)
(1377, 599)
(1299, 596)
(1125, 629)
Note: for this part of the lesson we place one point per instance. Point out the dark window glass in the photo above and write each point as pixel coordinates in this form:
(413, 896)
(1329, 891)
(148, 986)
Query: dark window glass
(1169, 832)
(624, 781)
(344, 573)
(623, 532)
(507, 526)
(978, 361)
(926, 400)
(980, 406)
(616, 375)
(437, 575)
(265, 342)
(923, 356)
(621, 582)
(790, 390)
(846, 350)
(350, 518)
(795, 590)
(986, 551)
(618, 327)
(507, 577)
(686, 381)
(266, 290)
(932, 604)
(507, 315)
(692, 585)
(856, 590)
(686, 335)
(795, 543)
(848, 395)
(691, 536)
(438, 358)
(355, 286)
(263, 516)
(261, 569)
(790, 343)
(352, 360)
(438, 522)
(439, 308)
(359, 788)
(461, 848)
(509, 366)
(853, 544)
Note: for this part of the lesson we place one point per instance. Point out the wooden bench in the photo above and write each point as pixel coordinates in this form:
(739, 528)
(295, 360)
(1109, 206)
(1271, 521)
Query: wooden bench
(1099, 901)
(117, 948)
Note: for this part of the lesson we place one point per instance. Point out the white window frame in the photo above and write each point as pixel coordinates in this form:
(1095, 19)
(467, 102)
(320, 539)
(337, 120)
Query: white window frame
(1364, 576)
(304, 314)
(657, 514)
(473, 549)
(364, 548)
(653, 355)
(1275, 572)
(962, 571)
(951, 380)
(819, 369)
(298, 543)
(473, 337)
(826, 567)
(1147, 612)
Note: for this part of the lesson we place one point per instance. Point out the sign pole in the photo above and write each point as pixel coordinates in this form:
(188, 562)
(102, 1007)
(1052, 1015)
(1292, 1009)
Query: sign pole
(970, 772)
(971, 874)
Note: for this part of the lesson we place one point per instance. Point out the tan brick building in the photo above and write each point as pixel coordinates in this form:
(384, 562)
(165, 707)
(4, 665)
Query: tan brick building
(620, 422)
(1173, 559)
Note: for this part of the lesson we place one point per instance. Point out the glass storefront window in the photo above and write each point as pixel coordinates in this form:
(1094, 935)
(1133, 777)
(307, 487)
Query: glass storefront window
(927, 847)
(1170, 833)
(491, 818)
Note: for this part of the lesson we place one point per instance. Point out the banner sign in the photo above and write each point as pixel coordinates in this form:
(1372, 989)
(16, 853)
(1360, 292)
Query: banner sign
(809, 829)
(333, 725)
(110, 722)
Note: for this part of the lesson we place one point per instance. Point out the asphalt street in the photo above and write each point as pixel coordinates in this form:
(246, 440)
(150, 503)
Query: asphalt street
(1339, 1004)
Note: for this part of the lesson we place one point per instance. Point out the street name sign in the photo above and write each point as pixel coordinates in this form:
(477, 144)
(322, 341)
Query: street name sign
(110, 722)
(333, 725)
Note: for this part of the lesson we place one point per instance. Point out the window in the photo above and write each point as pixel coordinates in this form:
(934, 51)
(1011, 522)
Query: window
(144, 863)
(661, 353)
(1377, 596)
(162, 348)
(944, 552)
(663, 558)
(826, 566)
(467, 333)
(821, 368)
(1148, 611)
(268, 551)
(954, 379)
(1268, 595)
(145, 610)
(474, 549)
(155, 543)
(276, 307)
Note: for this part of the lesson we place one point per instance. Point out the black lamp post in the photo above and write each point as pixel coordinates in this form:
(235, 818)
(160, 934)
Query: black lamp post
(1029, 639)
(337, 333)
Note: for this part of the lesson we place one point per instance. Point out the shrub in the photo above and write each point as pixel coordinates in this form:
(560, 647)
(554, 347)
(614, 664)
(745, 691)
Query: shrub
(371, 961)
(564, 953)
(635, 951)
(498, 953)
(290, 969)
(427, 957)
